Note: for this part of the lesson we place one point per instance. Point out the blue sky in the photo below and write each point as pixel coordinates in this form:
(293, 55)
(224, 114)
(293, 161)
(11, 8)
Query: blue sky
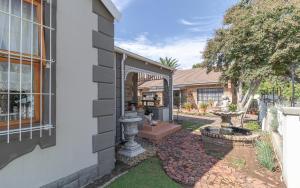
(173, 28)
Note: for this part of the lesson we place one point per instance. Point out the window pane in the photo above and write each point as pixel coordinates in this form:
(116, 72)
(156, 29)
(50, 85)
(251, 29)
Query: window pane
(3, 31)
(15, 77)
(15, 7)
(4, 5)
(30, 31)
(208, 94)
(25, 100)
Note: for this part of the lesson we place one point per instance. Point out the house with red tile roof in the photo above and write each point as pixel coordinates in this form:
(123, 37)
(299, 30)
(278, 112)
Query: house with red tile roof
(194, 86)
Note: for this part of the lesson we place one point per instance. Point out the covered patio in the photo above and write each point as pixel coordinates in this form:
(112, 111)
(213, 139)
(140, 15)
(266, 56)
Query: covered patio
(132, 71)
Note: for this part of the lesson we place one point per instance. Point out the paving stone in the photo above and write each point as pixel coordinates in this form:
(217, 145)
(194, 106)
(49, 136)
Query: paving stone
(185, 160)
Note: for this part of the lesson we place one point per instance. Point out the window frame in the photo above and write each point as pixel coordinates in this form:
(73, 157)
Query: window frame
(27, 59)
(207, 94)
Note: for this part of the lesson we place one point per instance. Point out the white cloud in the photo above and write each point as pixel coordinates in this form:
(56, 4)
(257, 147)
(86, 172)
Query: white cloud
(199, 24)
(187, 50)
(197, 21)
(122, 4)
(188, 23)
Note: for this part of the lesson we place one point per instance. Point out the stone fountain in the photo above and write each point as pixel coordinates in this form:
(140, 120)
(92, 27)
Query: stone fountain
(130, 123)
(222, 139)
(226, 117)
(226, 114)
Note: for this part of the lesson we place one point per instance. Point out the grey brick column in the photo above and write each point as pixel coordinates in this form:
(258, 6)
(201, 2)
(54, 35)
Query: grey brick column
(104, 107)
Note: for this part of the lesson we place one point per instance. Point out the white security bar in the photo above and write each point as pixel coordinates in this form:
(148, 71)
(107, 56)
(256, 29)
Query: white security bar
(31, 71)
(26, 130)
(15, 81)
(21, 60)
(27, 20)
(17, 57)
(8, 75)
(50, 72)
(41, 70)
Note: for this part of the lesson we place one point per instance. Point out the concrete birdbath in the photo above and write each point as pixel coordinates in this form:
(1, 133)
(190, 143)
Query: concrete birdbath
(226, 117)
(226, 114)
(131, 147)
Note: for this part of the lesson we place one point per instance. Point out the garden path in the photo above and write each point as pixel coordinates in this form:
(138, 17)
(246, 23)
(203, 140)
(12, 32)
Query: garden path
(185, 161)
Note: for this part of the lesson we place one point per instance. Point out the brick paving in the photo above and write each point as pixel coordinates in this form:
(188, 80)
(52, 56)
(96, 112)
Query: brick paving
(185, 161)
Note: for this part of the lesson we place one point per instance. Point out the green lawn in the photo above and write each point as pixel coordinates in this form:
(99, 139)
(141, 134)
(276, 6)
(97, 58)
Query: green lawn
(148, 174)
(194, 126)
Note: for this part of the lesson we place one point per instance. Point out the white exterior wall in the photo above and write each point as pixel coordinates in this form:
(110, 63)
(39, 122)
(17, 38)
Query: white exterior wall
(75, 93)
(291, 151)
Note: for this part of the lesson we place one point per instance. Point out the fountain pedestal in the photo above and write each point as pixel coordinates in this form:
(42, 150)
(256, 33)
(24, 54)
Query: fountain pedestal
(226, 121)
(226, 117)
(131, 147)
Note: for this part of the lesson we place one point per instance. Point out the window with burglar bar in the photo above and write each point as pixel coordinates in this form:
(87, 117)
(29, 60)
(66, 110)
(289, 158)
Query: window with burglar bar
(205, 95)
(25, 67)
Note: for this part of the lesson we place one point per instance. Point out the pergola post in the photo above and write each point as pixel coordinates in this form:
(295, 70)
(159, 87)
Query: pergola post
(171, 97)
(180, 99)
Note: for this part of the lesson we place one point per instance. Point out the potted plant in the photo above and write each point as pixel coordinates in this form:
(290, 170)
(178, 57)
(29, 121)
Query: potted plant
(232, 107)
(203, 107)
(188, 106)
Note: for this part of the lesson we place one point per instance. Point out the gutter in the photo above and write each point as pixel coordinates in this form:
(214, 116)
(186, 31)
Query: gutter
(141, 58)
(123, 91)
(122, 83)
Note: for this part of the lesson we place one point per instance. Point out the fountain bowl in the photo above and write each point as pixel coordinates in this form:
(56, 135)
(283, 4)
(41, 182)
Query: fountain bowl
(224, 139)
(226, 117)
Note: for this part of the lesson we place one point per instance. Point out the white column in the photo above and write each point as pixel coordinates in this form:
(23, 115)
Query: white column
(180, 100)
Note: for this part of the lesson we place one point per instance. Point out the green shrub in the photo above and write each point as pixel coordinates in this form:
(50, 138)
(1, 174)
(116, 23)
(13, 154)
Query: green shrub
(232, 107)
(188, 106)
(252, 126)
(204, 107)
(265, 154)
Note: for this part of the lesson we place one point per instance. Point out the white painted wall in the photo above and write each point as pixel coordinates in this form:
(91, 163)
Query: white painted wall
(291, 151)
(75, 93)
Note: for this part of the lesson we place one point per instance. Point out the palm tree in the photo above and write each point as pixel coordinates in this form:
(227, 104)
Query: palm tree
(170, 62)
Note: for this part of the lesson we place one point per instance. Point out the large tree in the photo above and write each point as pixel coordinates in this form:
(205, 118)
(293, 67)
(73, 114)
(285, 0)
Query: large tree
(260, 39)
(170, 62)
(197, 65)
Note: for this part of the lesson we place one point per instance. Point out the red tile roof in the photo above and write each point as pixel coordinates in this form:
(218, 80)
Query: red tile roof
(188, 77)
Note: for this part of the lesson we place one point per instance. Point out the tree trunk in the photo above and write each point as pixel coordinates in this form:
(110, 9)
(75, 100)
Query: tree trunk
(248, 93)
(239, 94)
(245, 104)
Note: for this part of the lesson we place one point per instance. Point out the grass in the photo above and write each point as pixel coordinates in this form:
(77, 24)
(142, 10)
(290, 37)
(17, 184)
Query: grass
(148, 174)
(193, 112)
(194, 126)
(265, 153)
(238, 163)
(253, 126)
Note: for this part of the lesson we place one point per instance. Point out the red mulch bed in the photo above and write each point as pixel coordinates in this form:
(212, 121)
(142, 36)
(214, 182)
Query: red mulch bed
(185, 161)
